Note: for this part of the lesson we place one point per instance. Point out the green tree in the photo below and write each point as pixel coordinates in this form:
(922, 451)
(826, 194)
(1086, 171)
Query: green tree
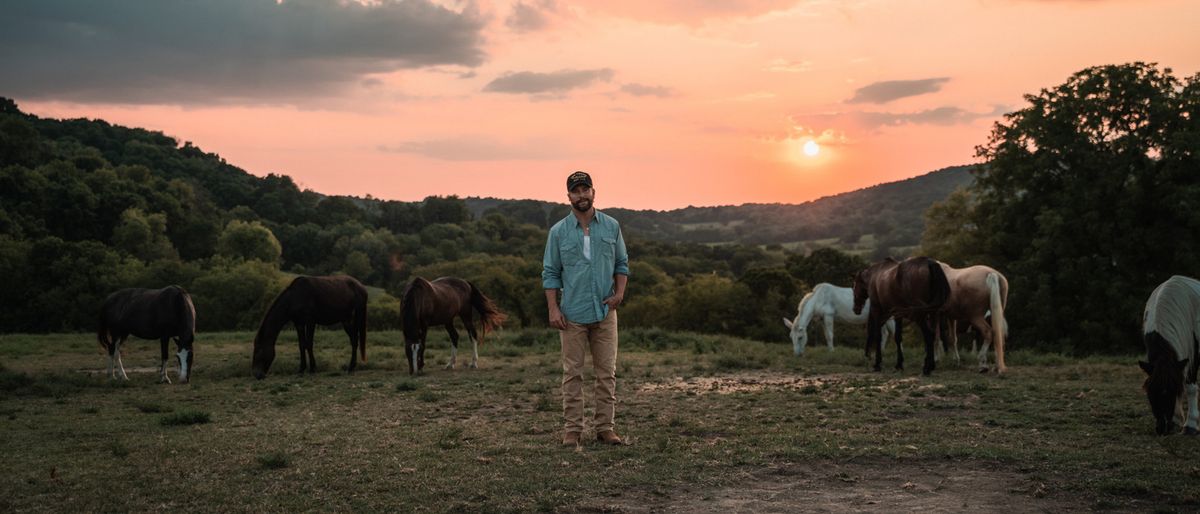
(249, 241)
(448, 209)
(825, 265)
(144, 236)
(1088, 198)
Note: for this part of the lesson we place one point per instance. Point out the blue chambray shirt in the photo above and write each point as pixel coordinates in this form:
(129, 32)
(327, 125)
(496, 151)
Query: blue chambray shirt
(585, 283)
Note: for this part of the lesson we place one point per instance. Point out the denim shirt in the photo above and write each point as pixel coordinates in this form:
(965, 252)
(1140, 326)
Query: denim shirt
(585, 283)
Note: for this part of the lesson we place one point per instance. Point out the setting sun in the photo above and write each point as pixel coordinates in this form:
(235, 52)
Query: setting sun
(811, 148)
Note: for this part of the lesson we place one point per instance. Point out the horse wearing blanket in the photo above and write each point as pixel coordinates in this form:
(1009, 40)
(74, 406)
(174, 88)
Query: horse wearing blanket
(1171, 332)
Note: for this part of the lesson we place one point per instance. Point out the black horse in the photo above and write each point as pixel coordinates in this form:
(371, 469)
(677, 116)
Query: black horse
(149, 314)
(308, 302)
(429, 304)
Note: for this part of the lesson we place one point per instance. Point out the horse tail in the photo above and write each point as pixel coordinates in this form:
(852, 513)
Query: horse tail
(102, 329)
(999, 324)
(492, 317)
(360, 315)
(939, 285)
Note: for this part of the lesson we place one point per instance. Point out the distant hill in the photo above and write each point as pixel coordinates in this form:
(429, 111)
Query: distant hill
(886, 218)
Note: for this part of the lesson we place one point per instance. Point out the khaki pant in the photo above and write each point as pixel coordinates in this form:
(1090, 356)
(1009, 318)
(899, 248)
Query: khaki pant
(600, 340)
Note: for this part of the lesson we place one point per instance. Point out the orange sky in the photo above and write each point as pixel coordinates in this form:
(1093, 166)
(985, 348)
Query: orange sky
(667, 104)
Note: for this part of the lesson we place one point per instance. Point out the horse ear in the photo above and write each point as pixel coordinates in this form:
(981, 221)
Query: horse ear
(1146, 366)
(787, 322)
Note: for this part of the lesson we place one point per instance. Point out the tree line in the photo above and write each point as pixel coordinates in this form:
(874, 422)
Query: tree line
(1086, 200)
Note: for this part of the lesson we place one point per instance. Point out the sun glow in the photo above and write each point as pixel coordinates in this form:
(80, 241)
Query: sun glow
(811, 148)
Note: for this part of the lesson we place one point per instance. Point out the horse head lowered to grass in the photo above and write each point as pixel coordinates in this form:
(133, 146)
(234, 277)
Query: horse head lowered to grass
(306, 303)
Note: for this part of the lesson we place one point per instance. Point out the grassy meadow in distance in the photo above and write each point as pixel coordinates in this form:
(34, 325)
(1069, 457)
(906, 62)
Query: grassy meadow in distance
(701, 414)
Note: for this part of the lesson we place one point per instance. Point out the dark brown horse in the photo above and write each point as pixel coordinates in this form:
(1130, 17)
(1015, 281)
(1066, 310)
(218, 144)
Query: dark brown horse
(437, 303)
(915, 289)
(308, 302)
(149, 314)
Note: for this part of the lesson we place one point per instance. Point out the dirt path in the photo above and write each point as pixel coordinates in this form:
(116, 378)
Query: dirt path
(881, 485)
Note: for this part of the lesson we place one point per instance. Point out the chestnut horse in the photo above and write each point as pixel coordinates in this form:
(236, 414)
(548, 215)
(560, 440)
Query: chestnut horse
(915, 289)
(975, 292)
(437, 303)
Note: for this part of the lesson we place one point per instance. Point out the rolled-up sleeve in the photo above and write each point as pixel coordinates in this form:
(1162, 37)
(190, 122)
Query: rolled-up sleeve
(622, 257)
(552, 263)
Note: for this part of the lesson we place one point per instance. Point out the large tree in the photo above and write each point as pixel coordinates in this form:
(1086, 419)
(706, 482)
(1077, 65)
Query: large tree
(1088, 197)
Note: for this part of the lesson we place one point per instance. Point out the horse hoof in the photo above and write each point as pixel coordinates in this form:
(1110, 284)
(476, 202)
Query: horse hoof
(450, 366)
(474, 366)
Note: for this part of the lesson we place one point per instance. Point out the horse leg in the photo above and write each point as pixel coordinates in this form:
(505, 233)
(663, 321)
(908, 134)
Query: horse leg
(311, 333)
(421, 350)
(928, 327)
(453, 344)
(982, 329)
(899, 349)
(300, 326)
(828, 322)
(162, 369)
(120, 362)
(350, 331)
(474, 347)
(874, 340)
(111, 346)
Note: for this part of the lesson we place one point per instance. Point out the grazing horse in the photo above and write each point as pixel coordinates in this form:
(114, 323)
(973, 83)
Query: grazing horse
(828, 302)
(149, 314)
(976, 292)
(437, 303)
(308, 302)
(1171, 332)
(915, 289)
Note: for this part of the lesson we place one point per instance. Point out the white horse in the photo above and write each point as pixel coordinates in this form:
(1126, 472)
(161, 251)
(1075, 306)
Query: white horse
(829, 302)
(1171, 332)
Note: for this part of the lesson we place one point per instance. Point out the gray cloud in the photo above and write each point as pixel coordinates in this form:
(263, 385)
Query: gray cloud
(636, 89)
(947, 115)
(532, 16)
(553, 83)
(888, 90)
(470, 148)
(222, 51)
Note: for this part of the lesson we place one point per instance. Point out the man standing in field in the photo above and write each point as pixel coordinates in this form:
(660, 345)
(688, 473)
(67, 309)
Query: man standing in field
(585, 258)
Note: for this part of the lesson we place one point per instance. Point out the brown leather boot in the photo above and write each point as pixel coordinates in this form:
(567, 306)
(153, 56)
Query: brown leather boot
(571, 439)
(608, 437)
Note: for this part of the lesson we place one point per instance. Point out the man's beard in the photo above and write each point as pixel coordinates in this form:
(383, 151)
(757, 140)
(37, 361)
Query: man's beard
(582, 205)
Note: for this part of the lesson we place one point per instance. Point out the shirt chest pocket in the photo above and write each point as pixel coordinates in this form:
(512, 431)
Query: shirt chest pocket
(606, 250)
(571, 253)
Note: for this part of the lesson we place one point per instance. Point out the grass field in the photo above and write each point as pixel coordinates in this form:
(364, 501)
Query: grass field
(712, 424)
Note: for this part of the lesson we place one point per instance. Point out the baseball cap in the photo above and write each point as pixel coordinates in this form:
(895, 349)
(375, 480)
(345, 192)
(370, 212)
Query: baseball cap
(578, 178)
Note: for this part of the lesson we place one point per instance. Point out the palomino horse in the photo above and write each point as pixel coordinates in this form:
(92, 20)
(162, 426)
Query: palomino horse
(915, 289)
(308, 302)
(1171, 332)
(828, 302)
(149, 314)
(975, 292)
(437, 303)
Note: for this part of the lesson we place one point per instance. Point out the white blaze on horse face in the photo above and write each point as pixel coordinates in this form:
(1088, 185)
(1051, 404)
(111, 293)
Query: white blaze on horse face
(183, 365)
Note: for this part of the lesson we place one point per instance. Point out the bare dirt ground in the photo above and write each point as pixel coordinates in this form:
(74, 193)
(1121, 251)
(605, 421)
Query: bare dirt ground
(869, 486)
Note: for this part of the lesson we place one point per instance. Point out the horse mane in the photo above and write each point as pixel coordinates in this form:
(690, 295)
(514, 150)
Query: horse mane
(269, 321)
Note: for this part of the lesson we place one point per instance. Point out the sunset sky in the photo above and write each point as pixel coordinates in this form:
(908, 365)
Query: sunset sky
(667, 104)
